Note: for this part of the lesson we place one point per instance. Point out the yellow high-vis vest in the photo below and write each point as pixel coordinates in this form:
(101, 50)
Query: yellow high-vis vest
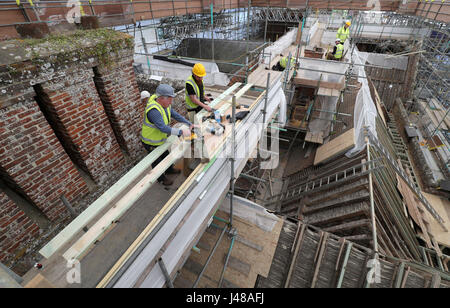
(151, 135)
(339, 51)
(343, 34)
(190, 104)
(284, 61)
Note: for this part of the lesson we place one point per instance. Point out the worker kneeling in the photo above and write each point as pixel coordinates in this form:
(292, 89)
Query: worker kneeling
(338, 52)
(282, 64)
(195, 92)
(156, 129)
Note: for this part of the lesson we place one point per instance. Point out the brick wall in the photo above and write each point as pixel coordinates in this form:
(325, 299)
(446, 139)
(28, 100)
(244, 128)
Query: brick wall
(34, 162)
(16, 229)
(53, 119)
(120, 95)
(77, 112)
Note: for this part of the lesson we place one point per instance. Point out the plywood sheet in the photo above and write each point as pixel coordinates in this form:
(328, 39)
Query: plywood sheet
(413, 205)
(328, 92)
(442, 207)
(337, 146)
(315, 83)
(316, 137)
(245, 262)
(39, 281)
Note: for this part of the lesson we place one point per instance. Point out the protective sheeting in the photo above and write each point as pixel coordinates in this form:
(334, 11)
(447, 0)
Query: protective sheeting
(282, 115)
(312, 32)
(182, 72)
(250, 212)
(331, 71)
(280, 45)
(327, 105)
(386, 61)
(365, 112)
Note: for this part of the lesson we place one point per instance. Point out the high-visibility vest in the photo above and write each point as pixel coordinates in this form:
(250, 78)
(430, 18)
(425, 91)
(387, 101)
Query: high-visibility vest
(339, 51)
(343, 34)
(284, 62)
(151, 135)
(190, 104)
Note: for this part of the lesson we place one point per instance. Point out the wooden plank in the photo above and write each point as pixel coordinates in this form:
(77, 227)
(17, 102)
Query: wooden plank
(328, 92)
(243, 90)
(105, 200)
(39, 281)
(101, 226)
(315, 83)
(413, 207)
(335, 147)
(238, 265)
(248, 243)
(294, 258)
(316, 137)
(320, 258)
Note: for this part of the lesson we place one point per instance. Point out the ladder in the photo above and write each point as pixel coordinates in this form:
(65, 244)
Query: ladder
(400, 148)
(374, 142)
(300, 190)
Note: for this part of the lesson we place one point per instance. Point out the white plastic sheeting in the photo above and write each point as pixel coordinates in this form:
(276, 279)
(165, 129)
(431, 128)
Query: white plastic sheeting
(250, 212)
(280, 45)
(282, 115)
(365, 111)
(386, 61)
(182, 72)
(308, 69)
(327, 105)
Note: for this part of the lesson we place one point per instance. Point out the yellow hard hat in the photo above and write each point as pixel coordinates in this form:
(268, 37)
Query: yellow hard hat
(199, 70)
(348, 23)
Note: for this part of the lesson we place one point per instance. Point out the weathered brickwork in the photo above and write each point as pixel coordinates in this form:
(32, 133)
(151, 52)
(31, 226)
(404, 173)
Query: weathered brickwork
(16, 228)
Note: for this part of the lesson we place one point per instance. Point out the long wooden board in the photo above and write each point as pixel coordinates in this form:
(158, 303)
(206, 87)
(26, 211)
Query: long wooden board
(104, 201)
(315, 83)
(335, 147)
(101, 226)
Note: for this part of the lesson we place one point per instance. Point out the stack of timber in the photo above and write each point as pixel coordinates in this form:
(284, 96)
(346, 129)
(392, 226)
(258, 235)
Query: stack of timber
(307, 257)
(334, 195)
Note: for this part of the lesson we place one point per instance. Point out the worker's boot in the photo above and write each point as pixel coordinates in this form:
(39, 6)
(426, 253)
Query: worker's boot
(165, 180)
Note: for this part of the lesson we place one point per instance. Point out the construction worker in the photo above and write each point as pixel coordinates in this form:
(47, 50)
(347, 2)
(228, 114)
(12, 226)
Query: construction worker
(144, 96)
(338, 51)
(156, 129)
(195, 92)
(282, 64)
(344, 32)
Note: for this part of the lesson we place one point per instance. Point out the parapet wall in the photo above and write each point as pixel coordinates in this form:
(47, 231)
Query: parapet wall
(68, 105)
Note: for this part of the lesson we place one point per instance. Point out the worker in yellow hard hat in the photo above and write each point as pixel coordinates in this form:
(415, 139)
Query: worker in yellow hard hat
(195, 92)
(344, 32)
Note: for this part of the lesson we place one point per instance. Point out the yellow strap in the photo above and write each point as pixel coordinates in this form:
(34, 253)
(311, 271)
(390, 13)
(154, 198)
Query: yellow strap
(31, 2)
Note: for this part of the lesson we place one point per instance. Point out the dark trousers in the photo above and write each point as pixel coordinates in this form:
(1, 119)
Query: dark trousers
(277, 67)
(150, 149)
